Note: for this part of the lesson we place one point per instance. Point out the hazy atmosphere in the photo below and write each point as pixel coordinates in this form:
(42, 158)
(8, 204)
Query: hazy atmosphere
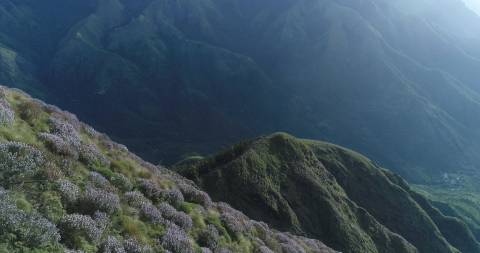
(474, 5)
(225, 126)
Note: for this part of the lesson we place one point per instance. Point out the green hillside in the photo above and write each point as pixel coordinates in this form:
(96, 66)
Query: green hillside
(64, 187)
(330, 193)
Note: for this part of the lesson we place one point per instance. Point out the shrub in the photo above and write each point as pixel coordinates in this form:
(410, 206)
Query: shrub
(151, 214)
(314, 245)
(122, 182)
(192, 194)
(136, 199)
(179, 218)
(19, 160)
(73, 225)
(7, 115)
(147, 210)
(66, 131)
(30, 111)
(98, 180)
(150, 189)
(112, 245)
(99, 200)
(206, 250)
(69, 191)
(91, 132)
(183, 220)
(133, 246)
(209, 237)
(289, 245)
(90, 155)
(31, 228)
(176, 240)
(264, 249)
(174, 197)
(232, 223)
(102, 220)
(58, 145)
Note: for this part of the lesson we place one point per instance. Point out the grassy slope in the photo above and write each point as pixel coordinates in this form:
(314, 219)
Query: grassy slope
(303, 185)
(38, 194)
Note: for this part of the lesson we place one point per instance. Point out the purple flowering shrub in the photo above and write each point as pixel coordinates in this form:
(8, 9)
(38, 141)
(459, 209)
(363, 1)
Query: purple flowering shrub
(69, 191)
(176, 240)
(74, 225)
(31, 228)
(94, 199)
(112, 245)
(19, 160)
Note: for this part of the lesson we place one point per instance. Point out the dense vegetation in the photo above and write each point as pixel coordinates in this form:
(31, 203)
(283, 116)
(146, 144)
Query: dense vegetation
(330, 193)
(66, 188)
(396, 80)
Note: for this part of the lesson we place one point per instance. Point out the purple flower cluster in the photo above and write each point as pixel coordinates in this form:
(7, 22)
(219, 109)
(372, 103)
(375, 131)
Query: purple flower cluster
(289, 245)
(58, 145)
(97, 199)
(155, 193)
(90, 155)
(174, 197)
(232, 223)
(31, 228)
(179, 218)
(264, 249)
(102, 220)
(206, 250)
(136, 199)
(192, 194)
(97, 180)
(133, 246)
(66, 131)
(112, 245)
(150, 189)
(19, 159)
(84, 224)
(176, 240)
(151, 213)
(69, 191)
(72, 143)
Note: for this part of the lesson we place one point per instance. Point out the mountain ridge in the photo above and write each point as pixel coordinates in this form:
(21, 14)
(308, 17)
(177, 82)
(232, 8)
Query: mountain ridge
(370, 75)
(264, 176)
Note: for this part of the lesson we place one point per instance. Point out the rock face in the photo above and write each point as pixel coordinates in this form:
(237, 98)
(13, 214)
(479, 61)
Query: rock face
(329, 193)
(64, 187)
(397, 80)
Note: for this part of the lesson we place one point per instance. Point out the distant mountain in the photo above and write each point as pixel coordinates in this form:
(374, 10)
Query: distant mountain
(64, 187)
(396, 80)
(329, 193)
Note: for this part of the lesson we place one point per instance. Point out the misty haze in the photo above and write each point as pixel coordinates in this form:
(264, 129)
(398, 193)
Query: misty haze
(225, 126)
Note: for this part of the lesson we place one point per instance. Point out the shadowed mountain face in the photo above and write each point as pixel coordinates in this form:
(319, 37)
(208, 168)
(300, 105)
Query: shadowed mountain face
(396, 80)
(329, 193)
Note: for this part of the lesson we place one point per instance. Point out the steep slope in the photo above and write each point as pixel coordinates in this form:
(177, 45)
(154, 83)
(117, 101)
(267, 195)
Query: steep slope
(330, 193)
(373, 75)
(65, 187)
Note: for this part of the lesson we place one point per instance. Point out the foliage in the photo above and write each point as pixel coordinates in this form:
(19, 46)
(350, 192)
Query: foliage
(107, 201)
